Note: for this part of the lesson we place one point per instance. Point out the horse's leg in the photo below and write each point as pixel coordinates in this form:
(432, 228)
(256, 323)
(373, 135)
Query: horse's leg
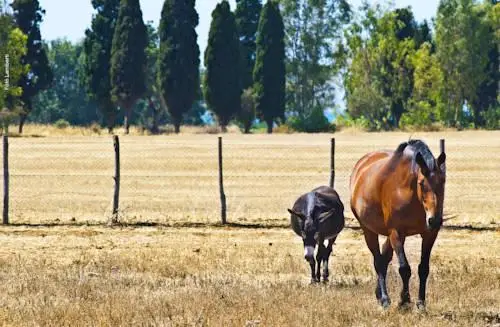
(387, 257)
(397, 242)
(319, 259)
(428, 239)
(371, 239)
(326, 256)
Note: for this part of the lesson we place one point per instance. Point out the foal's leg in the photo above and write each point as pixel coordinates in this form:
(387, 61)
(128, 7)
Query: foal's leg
(372, 241)
(397, 242)
(428, 239)
(326, 256)
(319, 259)
(386, 258)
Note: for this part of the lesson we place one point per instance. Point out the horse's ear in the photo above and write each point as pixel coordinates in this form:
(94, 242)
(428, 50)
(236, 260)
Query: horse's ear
(421, 162)
(326, 215)
(296, 213)
(441, 161)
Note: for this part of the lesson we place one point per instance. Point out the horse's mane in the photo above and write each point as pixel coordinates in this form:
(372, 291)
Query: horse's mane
(411, 148)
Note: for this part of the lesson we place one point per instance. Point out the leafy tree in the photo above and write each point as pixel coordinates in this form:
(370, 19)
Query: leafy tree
(28, 15)
(151, 98)
(247, 18)
(97, 58)
(12, 49)
(222, 84)
(179, 62)
(314, 33)
(381, 68)
(270, 71)
(128, 58)
(425, 104)
(67, 98)
(487, 92)
(462, 50)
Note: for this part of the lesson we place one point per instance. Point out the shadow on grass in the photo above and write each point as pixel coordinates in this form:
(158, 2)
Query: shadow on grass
(229, 225)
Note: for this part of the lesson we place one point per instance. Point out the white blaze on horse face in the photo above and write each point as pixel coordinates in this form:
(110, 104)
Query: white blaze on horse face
(308, 251)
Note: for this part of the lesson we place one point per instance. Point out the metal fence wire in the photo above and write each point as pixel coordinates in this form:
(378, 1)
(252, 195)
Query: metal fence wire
(174, 180)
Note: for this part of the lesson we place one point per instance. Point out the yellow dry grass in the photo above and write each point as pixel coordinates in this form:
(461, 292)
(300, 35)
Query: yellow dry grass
(79, 275)
(96, 276)
(173, 179)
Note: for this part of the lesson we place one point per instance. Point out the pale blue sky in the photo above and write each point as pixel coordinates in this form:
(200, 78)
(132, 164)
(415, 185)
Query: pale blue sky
(70, 18)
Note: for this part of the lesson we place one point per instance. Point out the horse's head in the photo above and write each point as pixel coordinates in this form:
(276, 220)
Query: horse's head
(430, 189)
(310, 231)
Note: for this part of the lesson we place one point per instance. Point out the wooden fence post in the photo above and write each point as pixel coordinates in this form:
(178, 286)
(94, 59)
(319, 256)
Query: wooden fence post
(441, 145)
(221, 186)
(116, 196)
(5, 180)
(332, 163)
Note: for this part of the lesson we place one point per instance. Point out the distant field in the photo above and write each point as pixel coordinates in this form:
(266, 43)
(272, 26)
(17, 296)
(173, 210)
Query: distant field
(96, 276)
(173, 179)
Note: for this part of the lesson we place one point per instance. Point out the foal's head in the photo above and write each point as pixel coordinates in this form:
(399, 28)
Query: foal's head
(431, 177)
(310, 224)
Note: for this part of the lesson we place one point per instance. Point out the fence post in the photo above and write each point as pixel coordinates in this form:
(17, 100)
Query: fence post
(332, 163)
(116, 196)
(5, 180)
(441, 145)
(221, 185)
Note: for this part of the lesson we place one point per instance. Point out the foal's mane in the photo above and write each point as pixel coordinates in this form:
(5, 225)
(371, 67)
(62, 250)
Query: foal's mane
(410, 150)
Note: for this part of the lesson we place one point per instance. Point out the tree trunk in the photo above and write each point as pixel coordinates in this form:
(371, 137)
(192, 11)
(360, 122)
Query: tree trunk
(269, 126)
(247, 128)
(110, 120)
(177, 127)
(154, 129)
(223, 128)
(22, 120)
(126, 123)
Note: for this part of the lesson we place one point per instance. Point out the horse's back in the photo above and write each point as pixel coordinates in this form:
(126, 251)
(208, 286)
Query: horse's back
(365, 204)
(325, 199)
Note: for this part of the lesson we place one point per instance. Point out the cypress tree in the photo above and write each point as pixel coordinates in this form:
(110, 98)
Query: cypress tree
(97, 59)
(247, 18)
(28, 15)
(128, 58)
(179, 60)
(222, 86)
(269, 72)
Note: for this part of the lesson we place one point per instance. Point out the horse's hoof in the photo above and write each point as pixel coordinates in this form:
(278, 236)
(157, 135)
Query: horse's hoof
(404, 306)
(385, 303)
(325, 279)
(421, 305)
(314, 281)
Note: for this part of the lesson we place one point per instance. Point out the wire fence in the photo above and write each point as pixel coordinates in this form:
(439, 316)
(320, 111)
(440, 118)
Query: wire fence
(175, 180)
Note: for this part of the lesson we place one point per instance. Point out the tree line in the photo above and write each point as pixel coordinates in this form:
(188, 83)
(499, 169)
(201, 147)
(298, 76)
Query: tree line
(279, 63)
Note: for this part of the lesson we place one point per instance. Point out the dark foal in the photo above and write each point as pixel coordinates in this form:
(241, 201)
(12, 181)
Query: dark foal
(399, 194)
(318, 216)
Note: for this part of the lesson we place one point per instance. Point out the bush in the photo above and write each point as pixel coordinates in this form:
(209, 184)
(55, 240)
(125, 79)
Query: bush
(61, 124)
(492, 118)
(316, 122)
(346, 121)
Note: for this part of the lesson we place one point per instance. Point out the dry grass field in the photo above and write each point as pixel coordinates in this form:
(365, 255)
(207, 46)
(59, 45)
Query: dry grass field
(97, 276)
(60, 266)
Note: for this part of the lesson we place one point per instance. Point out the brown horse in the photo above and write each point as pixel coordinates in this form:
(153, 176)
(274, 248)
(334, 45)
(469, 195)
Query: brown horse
(399, 194)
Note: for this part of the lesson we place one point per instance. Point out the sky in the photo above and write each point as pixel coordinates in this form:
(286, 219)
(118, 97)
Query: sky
(69, 18)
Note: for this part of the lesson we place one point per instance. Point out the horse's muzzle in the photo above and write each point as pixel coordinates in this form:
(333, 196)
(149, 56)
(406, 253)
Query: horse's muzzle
(309, 252)
(434, 223)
